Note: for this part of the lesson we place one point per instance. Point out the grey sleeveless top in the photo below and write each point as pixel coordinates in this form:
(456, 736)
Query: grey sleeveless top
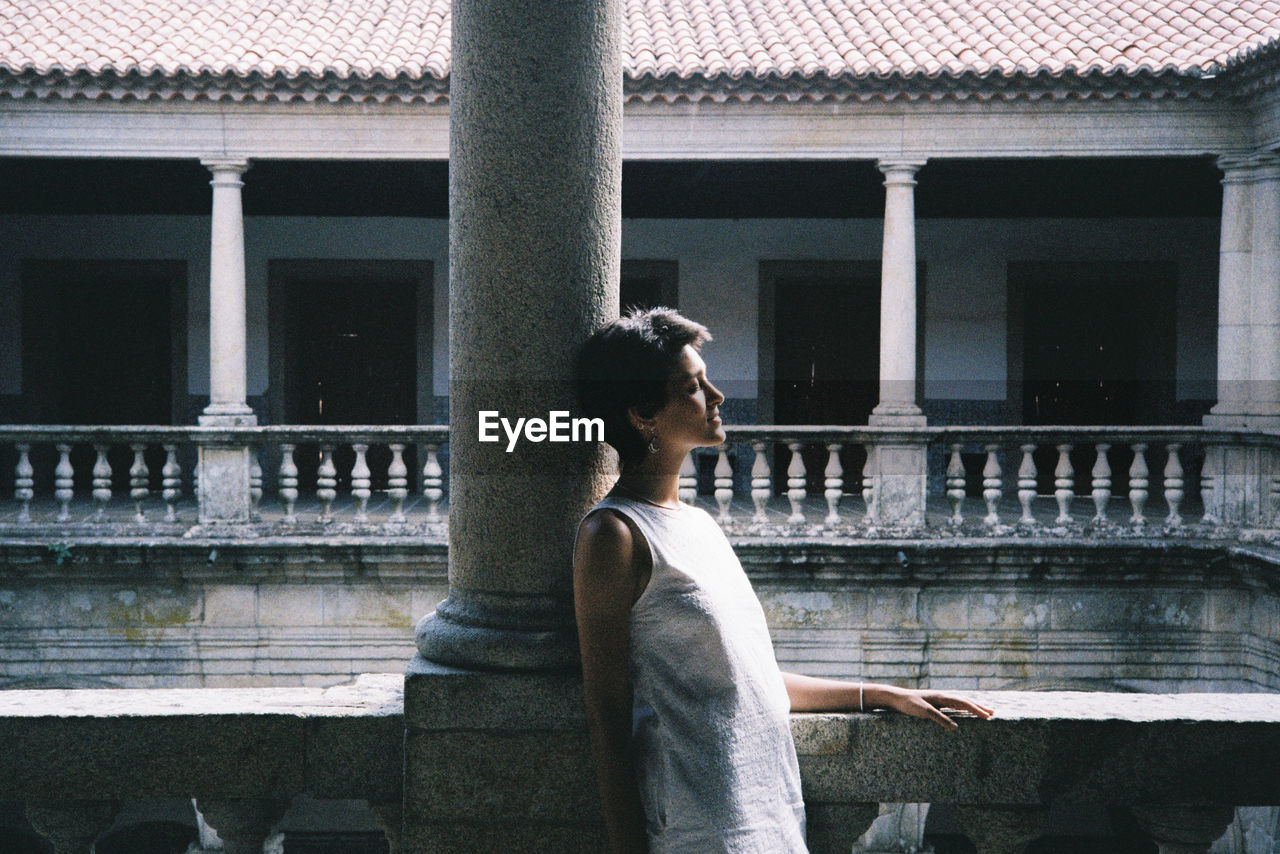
(714, 758)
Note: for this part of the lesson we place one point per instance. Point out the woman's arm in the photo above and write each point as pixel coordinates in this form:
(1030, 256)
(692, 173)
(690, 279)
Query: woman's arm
(606, 573)
(812, 694)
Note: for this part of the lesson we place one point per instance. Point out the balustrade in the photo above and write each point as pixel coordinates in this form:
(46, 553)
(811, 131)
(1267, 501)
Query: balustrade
(765, 480)
(94, 480)
(1176, 763)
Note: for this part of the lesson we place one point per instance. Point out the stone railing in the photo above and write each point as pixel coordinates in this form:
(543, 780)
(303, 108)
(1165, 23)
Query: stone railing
(766, 480)
(1177, 763)
(301, 479)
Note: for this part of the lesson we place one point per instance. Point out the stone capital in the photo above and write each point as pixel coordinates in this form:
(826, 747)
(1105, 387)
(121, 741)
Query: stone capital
(899, 171)
(227, 171)
(1249, 166)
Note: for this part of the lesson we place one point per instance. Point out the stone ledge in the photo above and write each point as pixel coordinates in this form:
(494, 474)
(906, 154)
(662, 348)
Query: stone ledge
(341, 742)
(1053, 747)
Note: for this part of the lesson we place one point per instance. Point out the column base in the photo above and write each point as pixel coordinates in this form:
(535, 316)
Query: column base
(227, 415)
(1241, 421)
(497, 762)
(486, 631)
(897, 415)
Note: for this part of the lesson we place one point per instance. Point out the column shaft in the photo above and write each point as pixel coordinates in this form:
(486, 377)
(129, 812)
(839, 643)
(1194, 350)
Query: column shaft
(1234, 275)
(897, 404)
(1264, 303)
(227, 326)
(535, 178)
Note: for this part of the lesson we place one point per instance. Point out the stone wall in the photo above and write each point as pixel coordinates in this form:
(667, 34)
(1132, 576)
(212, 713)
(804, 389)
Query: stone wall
(1151, 615)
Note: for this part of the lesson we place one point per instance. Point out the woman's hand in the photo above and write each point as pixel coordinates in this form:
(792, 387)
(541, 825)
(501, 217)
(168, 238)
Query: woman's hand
(923, 703)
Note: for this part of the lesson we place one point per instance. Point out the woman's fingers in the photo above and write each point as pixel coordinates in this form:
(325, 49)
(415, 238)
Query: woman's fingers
(960, 704)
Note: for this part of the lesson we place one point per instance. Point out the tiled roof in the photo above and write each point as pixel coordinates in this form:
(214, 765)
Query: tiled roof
(235, 41)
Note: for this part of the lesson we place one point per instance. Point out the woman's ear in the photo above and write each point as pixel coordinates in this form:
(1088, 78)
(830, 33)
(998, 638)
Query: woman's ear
(642, 423)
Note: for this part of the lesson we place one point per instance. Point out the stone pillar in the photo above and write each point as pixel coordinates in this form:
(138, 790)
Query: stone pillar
(1234, 276)
(499, 762)
(899, 466)
(897, 406)
(224, 467)
(1248, 338)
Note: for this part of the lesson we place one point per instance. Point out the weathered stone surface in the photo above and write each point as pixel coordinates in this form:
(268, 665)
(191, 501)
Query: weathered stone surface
(1070, 747)
(522, 740)
(342, 742)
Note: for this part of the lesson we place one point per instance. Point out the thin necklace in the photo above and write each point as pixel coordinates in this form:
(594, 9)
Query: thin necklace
(637, 496)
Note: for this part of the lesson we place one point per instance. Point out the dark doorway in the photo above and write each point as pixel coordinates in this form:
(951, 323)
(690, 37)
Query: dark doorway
(103, 342)
(826, 352)
(99, 340)
(1098, 341)
(1098, 347)
(345, 352)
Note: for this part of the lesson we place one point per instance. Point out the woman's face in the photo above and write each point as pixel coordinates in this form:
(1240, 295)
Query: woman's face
(690, 418)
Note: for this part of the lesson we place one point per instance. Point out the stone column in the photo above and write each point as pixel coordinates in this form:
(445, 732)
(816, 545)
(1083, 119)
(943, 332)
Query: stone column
(898, 467)
(1264, 295)
(224, 467)
(897, 406)
(1234, 275)
(499, 761)
(1248, 338)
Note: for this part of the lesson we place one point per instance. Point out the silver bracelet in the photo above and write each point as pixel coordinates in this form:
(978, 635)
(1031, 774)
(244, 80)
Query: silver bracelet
(860, 706)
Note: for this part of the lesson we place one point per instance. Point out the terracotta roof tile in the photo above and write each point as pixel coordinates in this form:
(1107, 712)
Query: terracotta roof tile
(683, 38)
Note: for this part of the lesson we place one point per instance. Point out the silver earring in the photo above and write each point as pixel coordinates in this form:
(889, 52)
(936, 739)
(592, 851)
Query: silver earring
(653, 443)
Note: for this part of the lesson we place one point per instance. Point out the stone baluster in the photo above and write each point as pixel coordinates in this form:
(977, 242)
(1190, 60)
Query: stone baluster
(171, 482)
(761, 482)
(1184, 828)
(71, 826)
(1027, 483)
(288, 481)
(1208, 483)
(24, 483)
(955, 485)
(1064, 485)
(796, 484)
(326, 483)
(869, 487)
(433, 482)
(101, 481)
(992, 486)
(724, 484)
(1138, 484)
(397, 481)
(360, 482)
(833, 828)
(687, 480)
(1275, 498)
(243, 825)
(1173, 487)
(833, 485)
(64, 482)
(255, 484)
(1101, 484)
(139, 479)
(1001, 829)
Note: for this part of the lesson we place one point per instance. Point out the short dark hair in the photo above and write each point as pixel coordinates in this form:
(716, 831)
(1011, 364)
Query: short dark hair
(628, 362)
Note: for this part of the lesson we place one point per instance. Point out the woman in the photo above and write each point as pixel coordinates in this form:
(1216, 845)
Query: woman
(687, 710)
